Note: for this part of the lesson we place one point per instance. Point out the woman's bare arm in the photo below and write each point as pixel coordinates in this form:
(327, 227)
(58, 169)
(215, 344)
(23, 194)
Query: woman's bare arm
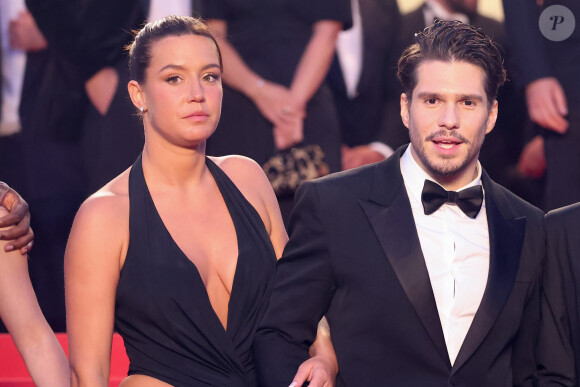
(315, 61)
(309, 75)
(19, 310)
(272, 99)
(92, 265)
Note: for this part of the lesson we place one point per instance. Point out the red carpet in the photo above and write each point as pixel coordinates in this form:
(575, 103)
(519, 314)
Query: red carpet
(13, 372)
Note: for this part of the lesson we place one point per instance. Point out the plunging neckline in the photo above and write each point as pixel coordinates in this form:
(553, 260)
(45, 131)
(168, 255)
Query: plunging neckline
(182, 254)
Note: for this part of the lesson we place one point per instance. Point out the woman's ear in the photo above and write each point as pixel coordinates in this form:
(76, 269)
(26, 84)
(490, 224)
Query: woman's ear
(137, 96)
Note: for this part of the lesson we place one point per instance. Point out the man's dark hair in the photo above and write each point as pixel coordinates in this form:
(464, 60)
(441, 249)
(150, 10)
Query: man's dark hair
(451, 41)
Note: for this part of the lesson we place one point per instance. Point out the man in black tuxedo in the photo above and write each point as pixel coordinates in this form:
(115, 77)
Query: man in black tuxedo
(420, 286)
(563, 240)
(512, 133)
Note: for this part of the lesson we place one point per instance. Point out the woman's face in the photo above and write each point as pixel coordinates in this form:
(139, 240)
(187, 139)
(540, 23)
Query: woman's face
(182, 92)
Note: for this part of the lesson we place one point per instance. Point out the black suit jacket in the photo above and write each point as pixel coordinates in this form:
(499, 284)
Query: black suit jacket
(563, 276)
(361, 116)
(355, 257)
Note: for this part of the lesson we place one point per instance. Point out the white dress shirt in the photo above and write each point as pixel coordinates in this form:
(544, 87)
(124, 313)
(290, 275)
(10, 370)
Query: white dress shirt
(456, 251)
(349, 48)
(13, 66)
(161, 8)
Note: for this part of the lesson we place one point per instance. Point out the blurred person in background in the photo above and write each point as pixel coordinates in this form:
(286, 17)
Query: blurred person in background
(276, 58)
(358, 77)
(545, 42)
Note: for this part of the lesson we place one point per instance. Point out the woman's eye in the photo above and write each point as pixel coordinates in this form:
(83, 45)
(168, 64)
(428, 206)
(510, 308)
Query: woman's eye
(173, 79)
(211, 78)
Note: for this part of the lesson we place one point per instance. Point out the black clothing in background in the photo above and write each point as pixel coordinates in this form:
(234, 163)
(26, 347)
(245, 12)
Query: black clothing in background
(271, 37)
(563, 235)
(361, 117)
(537, 57)
(83, 37)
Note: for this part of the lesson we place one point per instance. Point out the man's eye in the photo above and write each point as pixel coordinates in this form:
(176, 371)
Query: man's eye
(431, 101)
(469, 103)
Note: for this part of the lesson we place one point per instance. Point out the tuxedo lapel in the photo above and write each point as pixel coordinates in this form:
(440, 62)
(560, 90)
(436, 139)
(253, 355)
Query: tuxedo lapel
(506, 235)
(389, 213)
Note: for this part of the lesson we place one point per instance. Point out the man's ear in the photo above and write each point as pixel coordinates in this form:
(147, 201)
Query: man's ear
(405, 109)
(492, 117)
(137, 96)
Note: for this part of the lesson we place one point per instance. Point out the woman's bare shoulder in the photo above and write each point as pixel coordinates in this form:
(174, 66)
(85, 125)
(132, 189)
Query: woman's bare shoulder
(246, 174)
(250, 179)
(108, 207)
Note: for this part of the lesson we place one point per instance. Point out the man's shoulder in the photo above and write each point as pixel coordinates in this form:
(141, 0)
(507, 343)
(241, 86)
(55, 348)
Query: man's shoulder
(513, 202)
(567, 215)
(350, 179)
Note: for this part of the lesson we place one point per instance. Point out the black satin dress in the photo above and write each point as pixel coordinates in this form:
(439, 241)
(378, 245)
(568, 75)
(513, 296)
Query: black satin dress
(163, 312)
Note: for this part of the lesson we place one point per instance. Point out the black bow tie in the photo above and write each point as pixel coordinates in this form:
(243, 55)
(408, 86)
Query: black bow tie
(468, 200)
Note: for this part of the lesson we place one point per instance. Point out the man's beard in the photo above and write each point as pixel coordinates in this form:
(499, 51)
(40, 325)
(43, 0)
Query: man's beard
(451, 166)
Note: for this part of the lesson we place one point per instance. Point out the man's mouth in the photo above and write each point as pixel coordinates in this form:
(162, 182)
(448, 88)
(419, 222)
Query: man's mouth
(446, 144)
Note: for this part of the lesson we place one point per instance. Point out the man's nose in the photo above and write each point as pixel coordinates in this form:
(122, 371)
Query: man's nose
(449, 117)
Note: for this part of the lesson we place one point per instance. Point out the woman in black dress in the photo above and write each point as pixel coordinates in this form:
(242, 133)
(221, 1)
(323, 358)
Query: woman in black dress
(177, 253)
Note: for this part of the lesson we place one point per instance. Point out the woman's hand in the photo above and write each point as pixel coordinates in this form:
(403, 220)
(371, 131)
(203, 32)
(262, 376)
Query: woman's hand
(276, 103)
(319, 370)
(21, 235)
(322, 367)
(283, 110)
(289, 133)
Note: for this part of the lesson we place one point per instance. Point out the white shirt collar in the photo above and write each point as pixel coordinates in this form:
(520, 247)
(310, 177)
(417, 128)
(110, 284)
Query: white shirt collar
(414, 176)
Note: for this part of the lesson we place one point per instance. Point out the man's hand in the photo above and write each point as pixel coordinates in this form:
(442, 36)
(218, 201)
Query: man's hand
(532, 162)
(24, 34)
(547, 104)
(20, 235)
(358, 156)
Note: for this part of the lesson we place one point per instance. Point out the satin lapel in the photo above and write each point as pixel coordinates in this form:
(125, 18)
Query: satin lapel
(389, 213)
(506, 236)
